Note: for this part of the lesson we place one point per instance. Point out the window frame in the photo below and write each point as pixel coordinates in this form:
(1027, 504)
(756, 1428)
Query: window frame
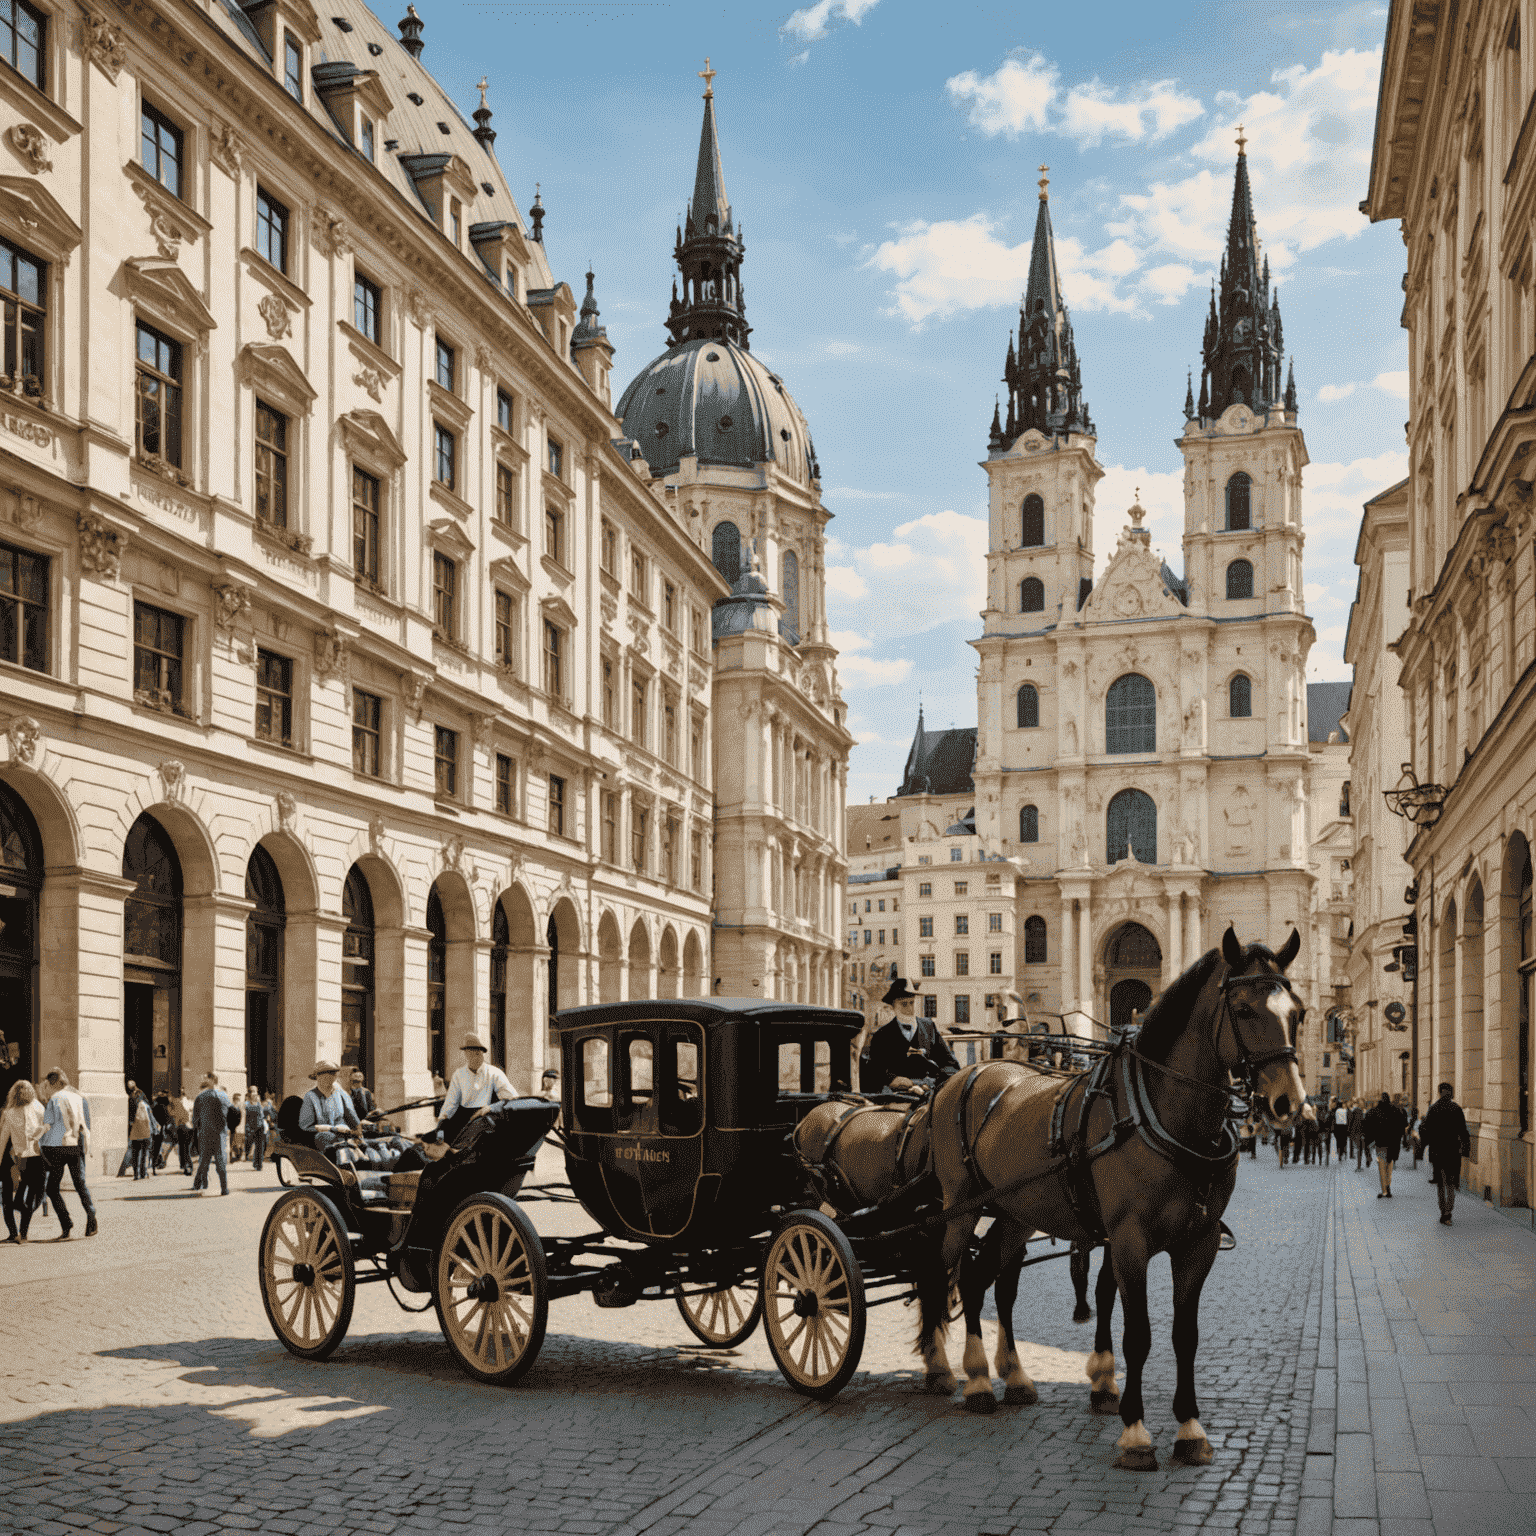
(1118, 739)
(269, 224)
(1032, 506)
(445, 360)
(373, 526)
(1240, 521)
(445, 596)
(368, 734)
(1029, 588)
(173, 396)
(279, 699)
(1029, 823)
(556, 807)
(504, 628)
(275, 453)
(1036, 929)
(445, 762)
(1239, 568)
(149, 114)
(505, 793)
(175, 700)
(20, 625)
(504, 506)
(42, 19)
(445, 452)
(1027, 708)
(1246, 712)
(553, 666)
(293, 66)
(372, 313)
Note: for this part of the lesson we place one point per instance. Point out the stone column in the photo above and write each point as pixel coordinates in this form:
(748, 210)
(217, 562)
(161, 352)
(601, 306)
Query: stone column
(312, 946)
(1173, 962)
(1085, 958)
(1066, 950)
(213, 988)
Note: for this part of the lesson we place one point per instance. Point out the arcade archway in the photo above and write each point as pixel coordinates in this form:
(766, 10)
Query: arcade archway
(1133, 973)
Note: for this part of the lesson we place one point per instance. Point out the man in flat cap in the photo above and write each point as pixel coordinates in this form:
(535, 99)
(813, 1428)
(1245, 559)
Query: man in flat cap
(475, 1086)
(908, 1051)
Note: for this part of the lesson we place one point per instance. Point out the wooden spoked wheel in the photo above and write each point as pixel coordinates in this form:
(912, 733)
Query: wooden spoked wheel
(308, 1281)
(724, 1317)
(813, 1304)
(492, 1294)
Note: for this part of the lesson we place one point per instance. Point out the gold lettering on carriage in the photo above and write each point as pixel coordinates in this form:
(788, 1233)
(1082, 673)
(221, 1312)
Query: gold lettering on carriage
(643, 1155)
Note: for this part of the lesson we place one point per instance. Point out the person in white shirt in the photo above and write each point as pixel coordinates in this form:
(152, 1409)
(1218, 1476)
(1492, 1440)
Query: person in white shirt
(475, 1086)
(22, 1170)
(64, 1143)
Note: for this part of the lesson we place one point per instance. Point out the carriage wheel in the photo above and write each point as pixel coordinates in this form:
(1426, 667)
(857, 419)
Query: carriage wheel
(492, 1294)
(813, 1304)
(308, 1281)
(724, 1317)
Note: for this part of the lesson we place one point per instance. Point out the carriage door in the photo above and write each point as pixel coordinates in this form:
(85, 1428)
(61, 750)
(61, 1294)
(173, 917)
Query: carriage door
(659, 1123)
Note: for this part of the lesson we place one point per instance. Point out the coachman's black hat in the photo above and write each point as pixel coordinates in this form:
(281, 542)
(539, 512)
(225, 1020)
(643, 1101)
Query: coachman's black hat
(898, 990)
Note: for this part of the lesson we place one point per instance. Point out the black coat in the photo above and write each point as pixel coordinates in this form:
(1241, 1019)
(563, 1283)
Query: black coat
(927, 1056)
(1443, 1133)
(1385, 1126)
(362, 1102)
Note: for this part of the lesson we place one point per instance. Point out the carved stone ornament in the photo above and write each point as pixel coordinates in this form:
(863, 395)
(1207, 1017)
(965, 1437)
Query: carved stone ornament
(331, 655)
(371, 380)
(287, 809)
(418, 309)
(453, 851)
(229, 603)
(102, 44)
(1126, 601)
(376, 834)
(23, 733)
(31, 144)
(26, 511)
(227, 151)
(101, 547)
(485, 359)
(274, 310)
(415, 692)
(335, 239)
(174, 776)
(481, 728)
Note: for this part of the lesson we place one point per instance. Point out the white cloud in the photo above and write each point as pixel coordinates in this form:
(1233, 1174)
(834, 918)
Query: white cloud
(799, 58)
(1331, 392)
(1161, 493)
(842, 348)
(844, 581)
(871, 672)
(810, 23)
(888, 557)
(854, 493)
(845, 640)
(1169, 282)
(1394, 383)
(1024, 95)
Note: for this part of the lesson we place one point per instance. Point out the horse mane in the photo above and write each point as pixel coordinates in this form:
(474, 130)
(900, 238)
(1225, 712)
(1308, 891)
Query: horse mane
(1169, 1014)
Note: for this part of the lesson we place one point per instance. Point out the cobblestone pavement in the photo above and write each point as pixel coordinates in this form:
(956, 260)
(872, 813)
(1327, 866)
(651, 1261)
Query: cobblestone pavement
(143, 1391)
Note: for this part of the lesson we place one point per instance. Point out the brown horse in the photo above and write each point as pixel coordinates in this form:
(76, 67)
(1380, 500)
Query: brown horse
(1137, 1153)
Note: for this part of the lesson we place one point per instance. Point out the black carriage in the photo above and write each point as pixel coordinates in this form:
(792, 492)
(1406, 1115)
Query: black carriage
(676, 1124)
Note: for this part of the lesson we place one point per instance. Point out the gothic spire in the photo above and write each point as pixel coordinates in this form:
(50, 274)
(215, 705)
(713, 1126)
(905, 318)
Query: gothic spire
(1043, 376)
(709, 249)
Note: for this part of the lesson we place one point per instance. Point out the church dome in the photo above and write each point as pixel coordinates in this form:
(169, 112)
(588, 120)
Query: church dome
(711, 398)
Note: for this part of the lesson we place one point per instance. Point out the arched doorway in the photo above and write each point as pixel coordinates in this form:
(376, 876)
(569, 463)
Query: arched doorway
(666, 970)
(564, 937)
(1133, 967)
(522, 997)
(357, 974)
(21, 882)
(639, 961)
(498, 1040)
(693, 967)
(152, 958)
(610, 957)
(263, 973)
(437, 985)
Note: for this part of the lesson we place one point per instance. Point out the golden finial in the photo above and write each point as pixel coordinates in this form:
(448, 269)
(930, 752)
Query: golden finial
(1045, 181)
(482, 87)
(707, 75)
(1241, 141)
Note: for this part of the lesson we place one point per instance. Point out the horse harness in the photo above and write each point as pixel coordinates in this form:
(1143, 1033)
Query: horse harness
(856, 1106)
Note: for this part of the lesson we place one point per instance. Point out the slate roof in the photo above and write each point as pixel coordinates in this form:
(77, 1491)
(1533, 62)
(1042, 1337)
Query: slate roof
(940, 762)
(1326, 704)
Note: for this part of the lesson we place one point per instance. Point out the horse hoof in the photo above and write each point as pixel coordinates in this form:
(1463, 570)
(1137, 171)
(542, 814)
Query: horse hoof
(1104, 1402)
(1193, 1453)
(939, 1386)
(1020, 1397)
(981, 1402)
(1137, 1458)
(1082, 1314)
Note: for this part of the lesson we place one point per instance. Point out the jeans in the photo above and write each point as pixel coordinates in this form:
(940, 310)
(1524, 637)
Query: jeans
(257, 1142)
(57, 1160)
(140, 1150)
(216, 1153)
(1447, 1179)
(184, 1147)
(1341, 1140)
(21, 1202)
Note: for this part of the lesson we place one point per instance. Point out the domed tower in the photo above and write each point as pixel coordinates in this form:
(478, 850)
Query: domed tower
(734, 450)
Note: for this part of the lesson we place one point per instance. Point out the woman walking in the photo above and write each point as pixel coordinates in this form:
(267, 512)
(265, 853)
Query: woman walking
(141, 1132)
(22, 1171)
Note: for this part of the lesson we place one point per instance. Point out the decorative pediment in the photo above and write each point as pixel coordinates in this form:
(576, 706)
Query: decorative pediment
(1236, 419)
(272, 369)
(506, 571)
(444, 533)
(367, 434)
(558, 609)
(37, 218)
(1132, 588)
(159, 283)
(1032, 441)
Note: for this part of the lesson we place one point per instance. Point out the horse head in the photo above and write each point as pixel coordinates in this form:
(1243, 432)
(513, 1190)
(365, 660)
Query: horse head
(1262, 1017)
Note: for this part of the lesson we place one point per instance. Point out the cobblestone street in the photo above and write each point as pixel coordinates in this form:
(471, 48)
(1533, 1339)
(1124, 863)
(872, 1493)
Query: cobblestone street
(145, 1392)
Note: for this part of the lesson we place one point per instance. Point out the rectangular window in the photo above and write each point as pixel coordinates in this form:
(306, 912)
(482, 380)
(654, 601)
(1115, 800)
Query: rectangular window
(637, 574)
(962, 887)
(505, 791)
(994, 964)
(157, 384)
(962, 963)
(445, 761)
(925, 889)
(23, 608)
(696, 749)
(925, 927)
(669, 606)
(880, 937)
(444, 364)
(293, 67)
(930, 1007)
(503, 410)
(271, 464)
(368, 137)
(610, 548)
(696, 862)
(925, 965)
(446, 451)
(994, 922)
(867, 939)
(23, 35)
(506, 493)
(24, 287)
(554, 534)
(880, 906)
(455, 219)
(158, 638)
(669, 851)
(365, 525)
(274, 698)
(637, 714)
(866, 904)
(506, 633)
(669, 731)
(272, 229)
(639, 833)
(557, 805)
(962, 1010)
(368, 308)
(962, 924)
(556, 458)
(160, 140)
(554, 675)
(956, 855)
(367, 733)
(445, 591)
(610, 694)
(896, 938)
(610, 834)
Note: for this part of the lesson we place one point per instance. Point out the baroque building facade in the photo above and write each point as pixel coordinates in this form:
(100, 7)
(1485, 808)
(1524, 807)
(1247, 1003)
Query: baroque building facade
(359, 684)
(1454, 164)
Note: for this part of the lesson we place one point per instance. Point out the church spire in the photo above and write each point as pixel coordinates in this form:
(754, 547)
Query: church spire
(709, 248)
(1243, 346)
(1044, 380)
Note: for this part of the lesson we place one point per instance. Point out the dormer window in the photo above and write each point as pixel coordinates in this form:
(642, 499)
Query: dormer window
(367, 137)
(293, 67)
(455, 220)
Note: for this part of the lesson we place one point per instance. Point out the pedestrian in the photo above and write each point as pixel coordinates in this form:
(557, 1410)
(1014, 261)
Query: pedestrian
(1340, 1127)
(362, 1100)
(11, 1069)
(1357, 1133)
(181, 1125)
(210, 1124)
(1383, 1128)
(141, 1131)
(1415, 1119)
(1443, 1134)
(65, 1141)
(255, 1128)
(22, 1170)
(164, 1131)
(1309, 1134)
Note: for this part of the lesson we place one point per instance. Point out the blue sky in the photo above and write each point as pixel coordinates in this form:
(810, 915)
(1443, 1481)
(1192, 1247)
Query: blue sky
(881, 157)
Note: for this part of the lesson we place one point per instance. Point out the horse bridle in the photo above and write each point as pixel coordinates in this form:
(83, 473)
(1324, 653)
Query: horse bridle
(1252, 1060)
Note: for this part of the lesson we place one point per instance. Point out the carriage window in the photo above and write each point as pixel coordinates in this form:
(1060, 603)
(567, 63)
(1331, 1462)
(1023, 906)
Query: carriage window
(641, 1060)
(806, 1067)
(823, 1068)
(789, 1066)
(682, 1109)
(596, 1089)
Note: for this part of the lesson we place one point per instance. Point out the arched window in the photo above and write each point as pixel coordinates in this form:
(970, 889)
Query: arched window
(437, 986)
(1034, 941)
(499, 941)
(263, 973)
(1131, 820)
(357, 974)
(21, 879)
(151, 956)
(1239, 580)
(1240, 697)
(1130, 715)
(1029, 707)
(1240, 501)
(725, 551)
(1031, 595)
(1029, 824)
(789, 625)
(1033, 530)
